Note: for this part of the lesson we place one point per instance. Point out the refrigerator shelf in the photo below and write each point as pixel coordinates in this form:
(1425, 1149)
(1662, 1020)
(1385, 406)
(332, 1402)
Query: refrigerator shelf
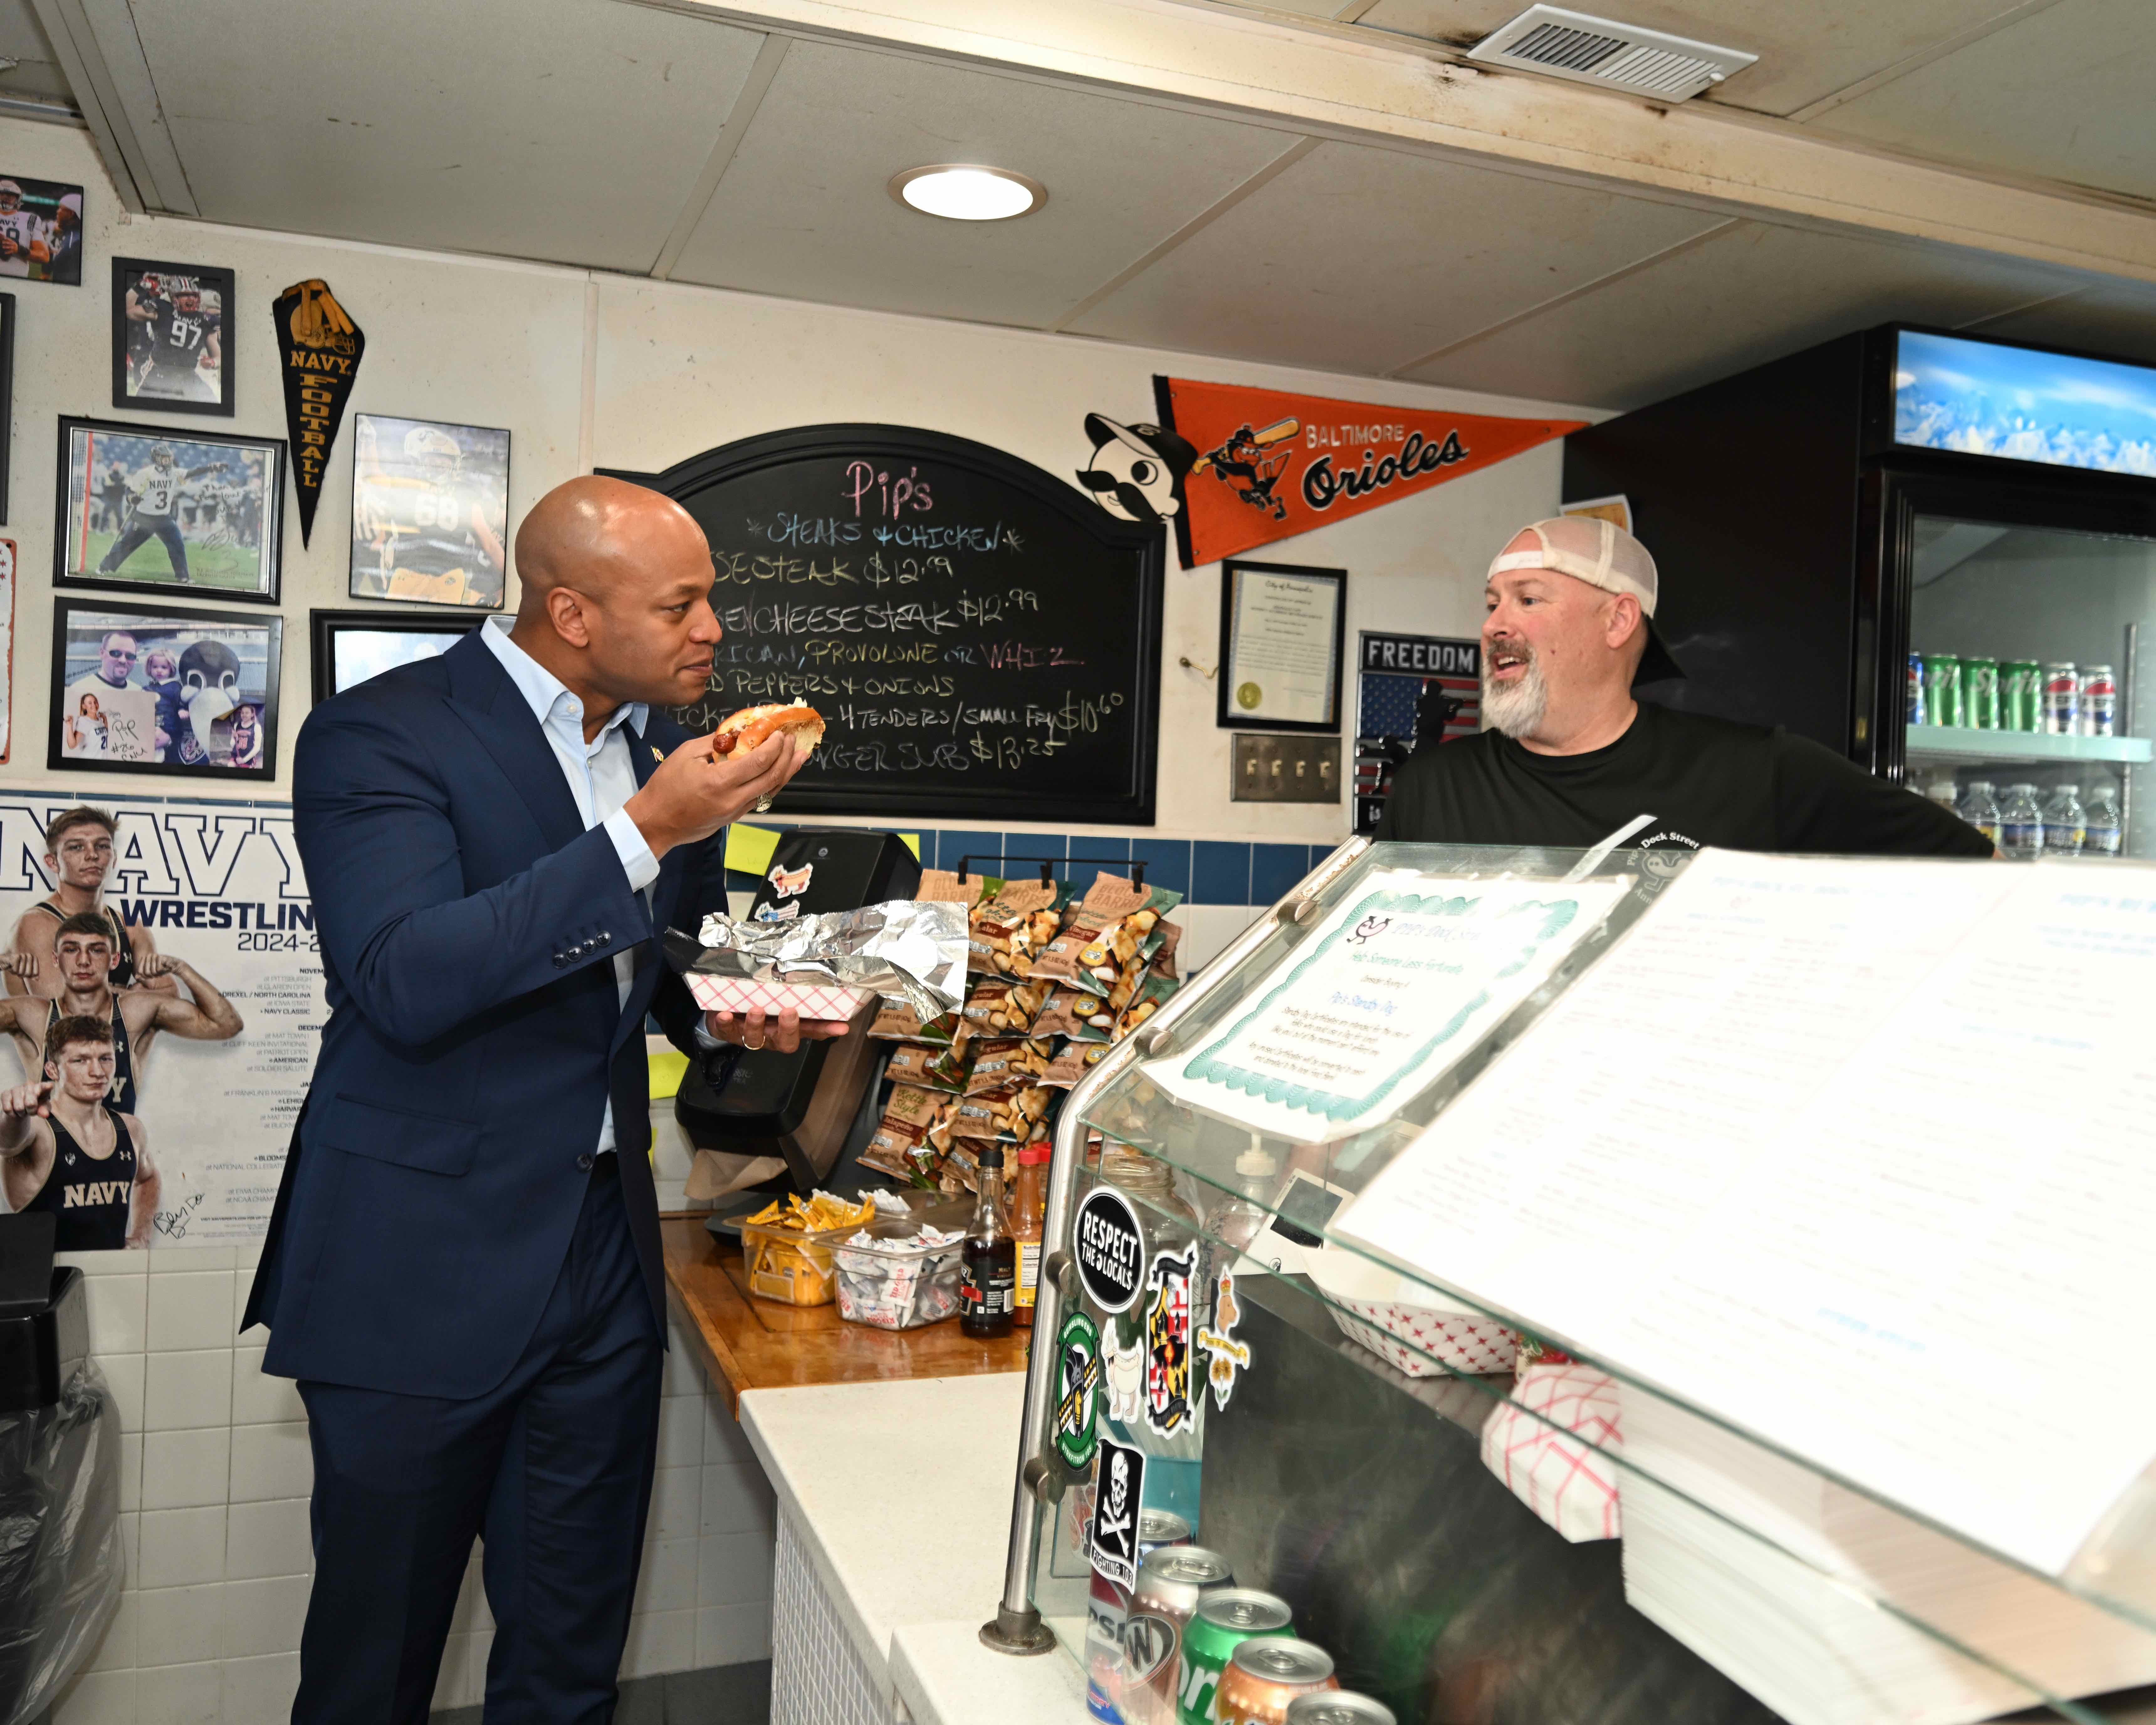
(1962, 742)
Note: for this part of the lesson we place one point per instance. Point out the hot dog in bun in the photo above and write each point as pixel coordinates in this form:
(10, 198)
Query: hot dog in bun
(753, 725)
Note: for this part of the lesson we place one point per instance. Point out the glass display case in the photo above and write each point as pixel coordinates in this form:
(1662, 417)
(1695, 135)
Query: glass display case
(1426, 1488)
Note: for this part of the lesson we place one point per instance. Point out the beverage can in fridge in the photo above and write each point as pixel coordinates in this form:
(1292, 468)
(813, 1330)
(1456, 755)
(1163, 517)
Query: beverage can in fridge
(2099, 693)
(1158, 1530)
(1979, 694)
(2020, 695)
(1224, 1621)
(1339, 1706)
(1107, 1610)
(1147, 1695)
(1173, 1579)
(1920, 712)
(1942, 688)
(1264, 1679)
(2062, 698)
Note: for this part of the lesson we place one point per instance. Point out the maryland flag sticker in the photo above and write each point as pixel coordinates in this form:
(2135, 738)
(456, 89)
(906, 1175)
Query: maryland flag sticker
(321, 348)
(1270, 466)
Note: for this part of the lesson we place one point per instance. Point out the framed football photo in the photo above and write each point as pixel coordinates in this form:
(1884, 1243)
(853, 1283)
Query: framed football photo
(142, 510)
(169, 347)
(430, 511)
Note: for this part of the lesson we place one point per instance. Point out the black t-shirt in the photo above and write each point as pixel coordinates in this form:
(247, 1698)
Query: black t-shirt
(1705, 782)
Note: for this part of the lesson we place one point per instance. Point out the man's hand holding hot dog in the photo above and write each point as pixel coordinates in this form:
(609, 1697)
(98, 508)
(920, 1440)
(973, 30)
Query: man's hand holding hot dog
(694, 792)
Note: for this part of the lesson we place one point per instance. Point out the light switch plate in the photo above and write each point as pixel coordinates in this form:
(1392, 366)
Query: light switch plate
(1268, 768)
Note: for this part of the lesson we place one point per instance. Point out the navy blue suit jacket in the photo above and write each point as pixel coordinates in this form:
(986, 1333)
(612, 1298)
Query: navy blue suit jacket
(468, 924)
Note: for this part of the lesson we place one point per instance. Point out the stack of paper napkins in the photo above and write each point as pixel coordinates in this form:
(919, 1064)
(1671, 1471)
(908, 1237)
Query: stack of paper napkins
(1816, 1610)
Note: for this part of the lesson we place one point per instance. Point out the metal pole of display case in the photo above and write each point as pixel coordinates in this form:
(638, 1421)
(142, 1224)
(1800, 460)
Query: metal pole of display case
(1016, 1627)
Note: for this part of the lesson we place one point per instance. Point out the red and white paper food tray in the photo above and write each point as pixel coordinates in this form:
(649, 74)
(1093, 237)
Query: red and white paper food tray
(812, 1000)
(1570, 1481)
(1405, 1324)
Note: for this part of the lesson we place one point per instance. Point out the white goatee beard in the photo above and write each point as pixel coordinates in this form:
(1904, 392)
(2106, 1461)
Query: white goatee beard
(1516, 708)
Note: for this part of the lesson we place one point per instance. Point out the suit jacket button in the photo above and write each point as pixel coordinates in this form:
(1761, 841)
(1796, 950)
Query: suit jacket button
(586, 1160)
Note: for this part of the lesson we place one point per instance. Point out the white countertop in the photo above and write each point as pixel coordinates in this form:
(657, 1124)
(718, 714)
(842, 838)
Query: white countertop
(943, 1675)
(903, 1490)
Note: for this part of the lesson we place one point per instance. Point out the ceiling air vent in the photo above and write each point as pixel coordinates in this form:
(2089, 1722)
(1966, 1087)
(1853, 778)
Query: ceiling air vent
(1599, 51)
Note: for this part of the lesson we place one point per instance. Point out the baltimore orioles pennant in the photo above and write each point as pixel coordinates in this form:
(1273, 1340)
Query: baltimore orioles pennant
(1270, 466)
(319, 347)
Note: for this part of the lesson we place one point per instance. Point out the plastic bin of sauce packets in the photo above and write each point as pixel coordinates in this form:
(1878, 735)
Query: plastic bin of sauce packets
(1053, 982)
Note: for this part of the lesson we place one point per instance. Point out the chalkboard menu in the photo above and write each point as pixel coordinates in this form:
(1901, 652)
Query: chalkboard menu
(982, 638)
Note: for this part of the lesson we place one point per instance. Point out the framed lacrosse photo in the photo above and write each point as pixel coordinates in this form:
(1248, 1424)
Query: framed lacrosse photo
(430, 512)
(142, 510)
(170, 352)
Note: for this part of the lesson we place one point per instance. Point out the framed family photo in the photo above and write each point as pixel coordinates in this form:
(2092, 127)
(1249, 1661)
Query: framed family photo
(141, 688)
(143, 510)
(169, 350)
(430, 511)
(352, 646)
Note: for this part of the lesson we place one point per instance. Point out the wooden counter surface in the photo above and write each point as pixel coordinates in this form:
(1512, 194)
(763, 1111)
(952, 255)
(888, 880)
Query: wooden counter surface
(749, 1344)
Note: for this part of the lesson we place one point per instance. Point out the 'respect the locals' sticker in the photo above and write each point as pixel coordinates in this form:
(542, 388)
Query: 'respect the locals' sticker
(1113, 1539)
(1169, 1408)
(1110, 1249)
(1077, 1389)
(1218, 1343)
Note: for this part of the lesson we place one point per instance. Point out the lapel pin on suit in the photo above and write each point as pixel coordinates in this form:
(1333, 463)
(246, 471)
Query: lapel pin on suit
(656, 754)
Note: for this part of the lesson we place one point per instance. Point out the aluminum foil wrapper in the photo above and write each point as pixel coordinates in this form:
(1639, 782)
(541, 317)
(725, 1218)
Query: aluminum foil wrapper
(904, 950)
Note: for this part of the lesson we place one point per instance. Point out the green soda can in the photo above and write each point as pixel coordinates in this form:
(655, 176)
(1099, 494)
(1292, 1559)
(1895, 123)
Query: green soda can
(1225, 1620)
(1979, 694)
(1942, 688)
(2020, 695)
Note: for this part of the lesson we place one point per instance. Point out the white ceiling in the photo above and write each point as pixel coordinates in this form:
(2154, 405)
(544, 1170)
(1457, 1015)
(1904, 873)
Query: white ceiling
(634, 138)
(36, 77)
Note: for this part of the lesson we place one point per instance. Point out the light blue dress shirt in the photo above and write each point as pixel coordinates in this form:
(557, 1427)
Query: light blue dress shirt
(600, 774)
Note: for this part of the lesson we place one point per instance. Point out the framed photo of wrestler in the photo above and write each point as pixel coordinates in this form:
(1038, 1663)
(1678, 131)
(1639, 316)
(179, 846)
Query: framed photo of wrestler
(430, 512)
(144, 509)
(171, 351)
(148, 689)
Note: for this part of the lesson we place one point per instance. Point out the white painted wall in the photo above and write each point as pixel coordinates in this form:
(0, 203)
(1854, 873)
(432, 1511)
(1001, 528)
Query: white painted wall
(585, 370)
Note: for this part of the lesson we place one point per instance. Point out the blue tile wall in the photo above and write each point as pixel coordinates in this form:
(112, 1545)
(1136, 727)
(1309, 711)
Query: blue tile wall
(1167, 860)
(1205, 872)
(1276, 868)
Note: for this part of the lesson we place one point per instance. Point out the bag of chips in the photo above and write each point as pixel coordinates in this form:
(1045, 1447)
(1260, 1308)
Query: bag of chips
(1007, 1060)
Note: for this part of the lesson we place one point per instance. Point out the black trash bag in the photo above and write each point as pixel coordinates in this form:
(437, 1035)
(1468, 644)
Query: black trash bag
(60, 1562)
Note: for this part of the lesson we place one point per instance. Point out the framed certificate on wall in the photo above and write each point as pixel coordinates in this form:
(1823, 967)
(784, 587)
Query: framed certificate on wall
(1282, 633)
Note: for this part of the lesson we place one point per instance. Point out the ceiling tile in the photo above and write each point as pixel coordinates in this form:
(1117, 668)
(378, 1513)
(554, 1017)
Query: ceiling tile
(36, 76)
(805, 210)
(1360, 259)
(558, 129)
(1805, 51)
(1748, 294)
(2061, 95)
(2116, 318)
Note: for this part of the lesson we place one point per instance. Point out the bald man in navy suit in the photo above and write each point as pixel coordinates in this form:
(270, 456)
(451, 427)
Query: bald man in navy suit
(463, 1268)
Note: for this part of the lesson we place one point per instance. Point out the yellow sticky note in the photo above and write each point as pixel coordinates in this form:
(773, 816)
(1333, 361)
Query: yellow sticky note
(667, 1071)
(912, 843)
(748, 849)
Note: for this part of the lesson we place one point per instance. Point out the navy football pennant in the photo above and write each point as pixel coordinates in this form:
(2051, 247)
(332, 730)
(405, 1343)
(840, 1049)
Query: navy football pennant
(320, 348)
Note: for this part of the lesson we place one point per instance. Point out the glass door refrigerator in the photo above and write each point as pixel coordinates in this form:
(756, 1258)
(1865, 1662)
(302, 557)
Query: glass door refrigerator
(1933, 551)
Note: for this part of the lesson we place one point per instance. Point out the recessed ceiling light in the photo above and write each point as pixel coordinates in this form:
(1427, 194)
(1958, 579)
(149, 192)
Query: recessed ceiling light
(962, 192)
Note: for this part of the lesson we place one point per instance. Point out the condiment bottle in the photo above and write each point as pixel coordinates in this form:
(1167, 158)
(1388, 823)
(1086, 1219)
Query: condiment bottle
(1027, 1207)
(987, 1262)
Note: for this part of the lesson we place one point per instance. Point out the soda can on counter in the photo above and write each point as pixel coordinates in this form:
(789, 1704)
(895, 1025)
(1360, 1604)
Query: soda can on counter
(1979, 694)
(2020, 695)
(1265, 1678)
(1222, 1622)
(2062, 698)
(1339, 1706)
(1107, 1610)
(1920, 712)
(1158, 1530)
(1942, 688)
(1173, 1579)
(2099, 702)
